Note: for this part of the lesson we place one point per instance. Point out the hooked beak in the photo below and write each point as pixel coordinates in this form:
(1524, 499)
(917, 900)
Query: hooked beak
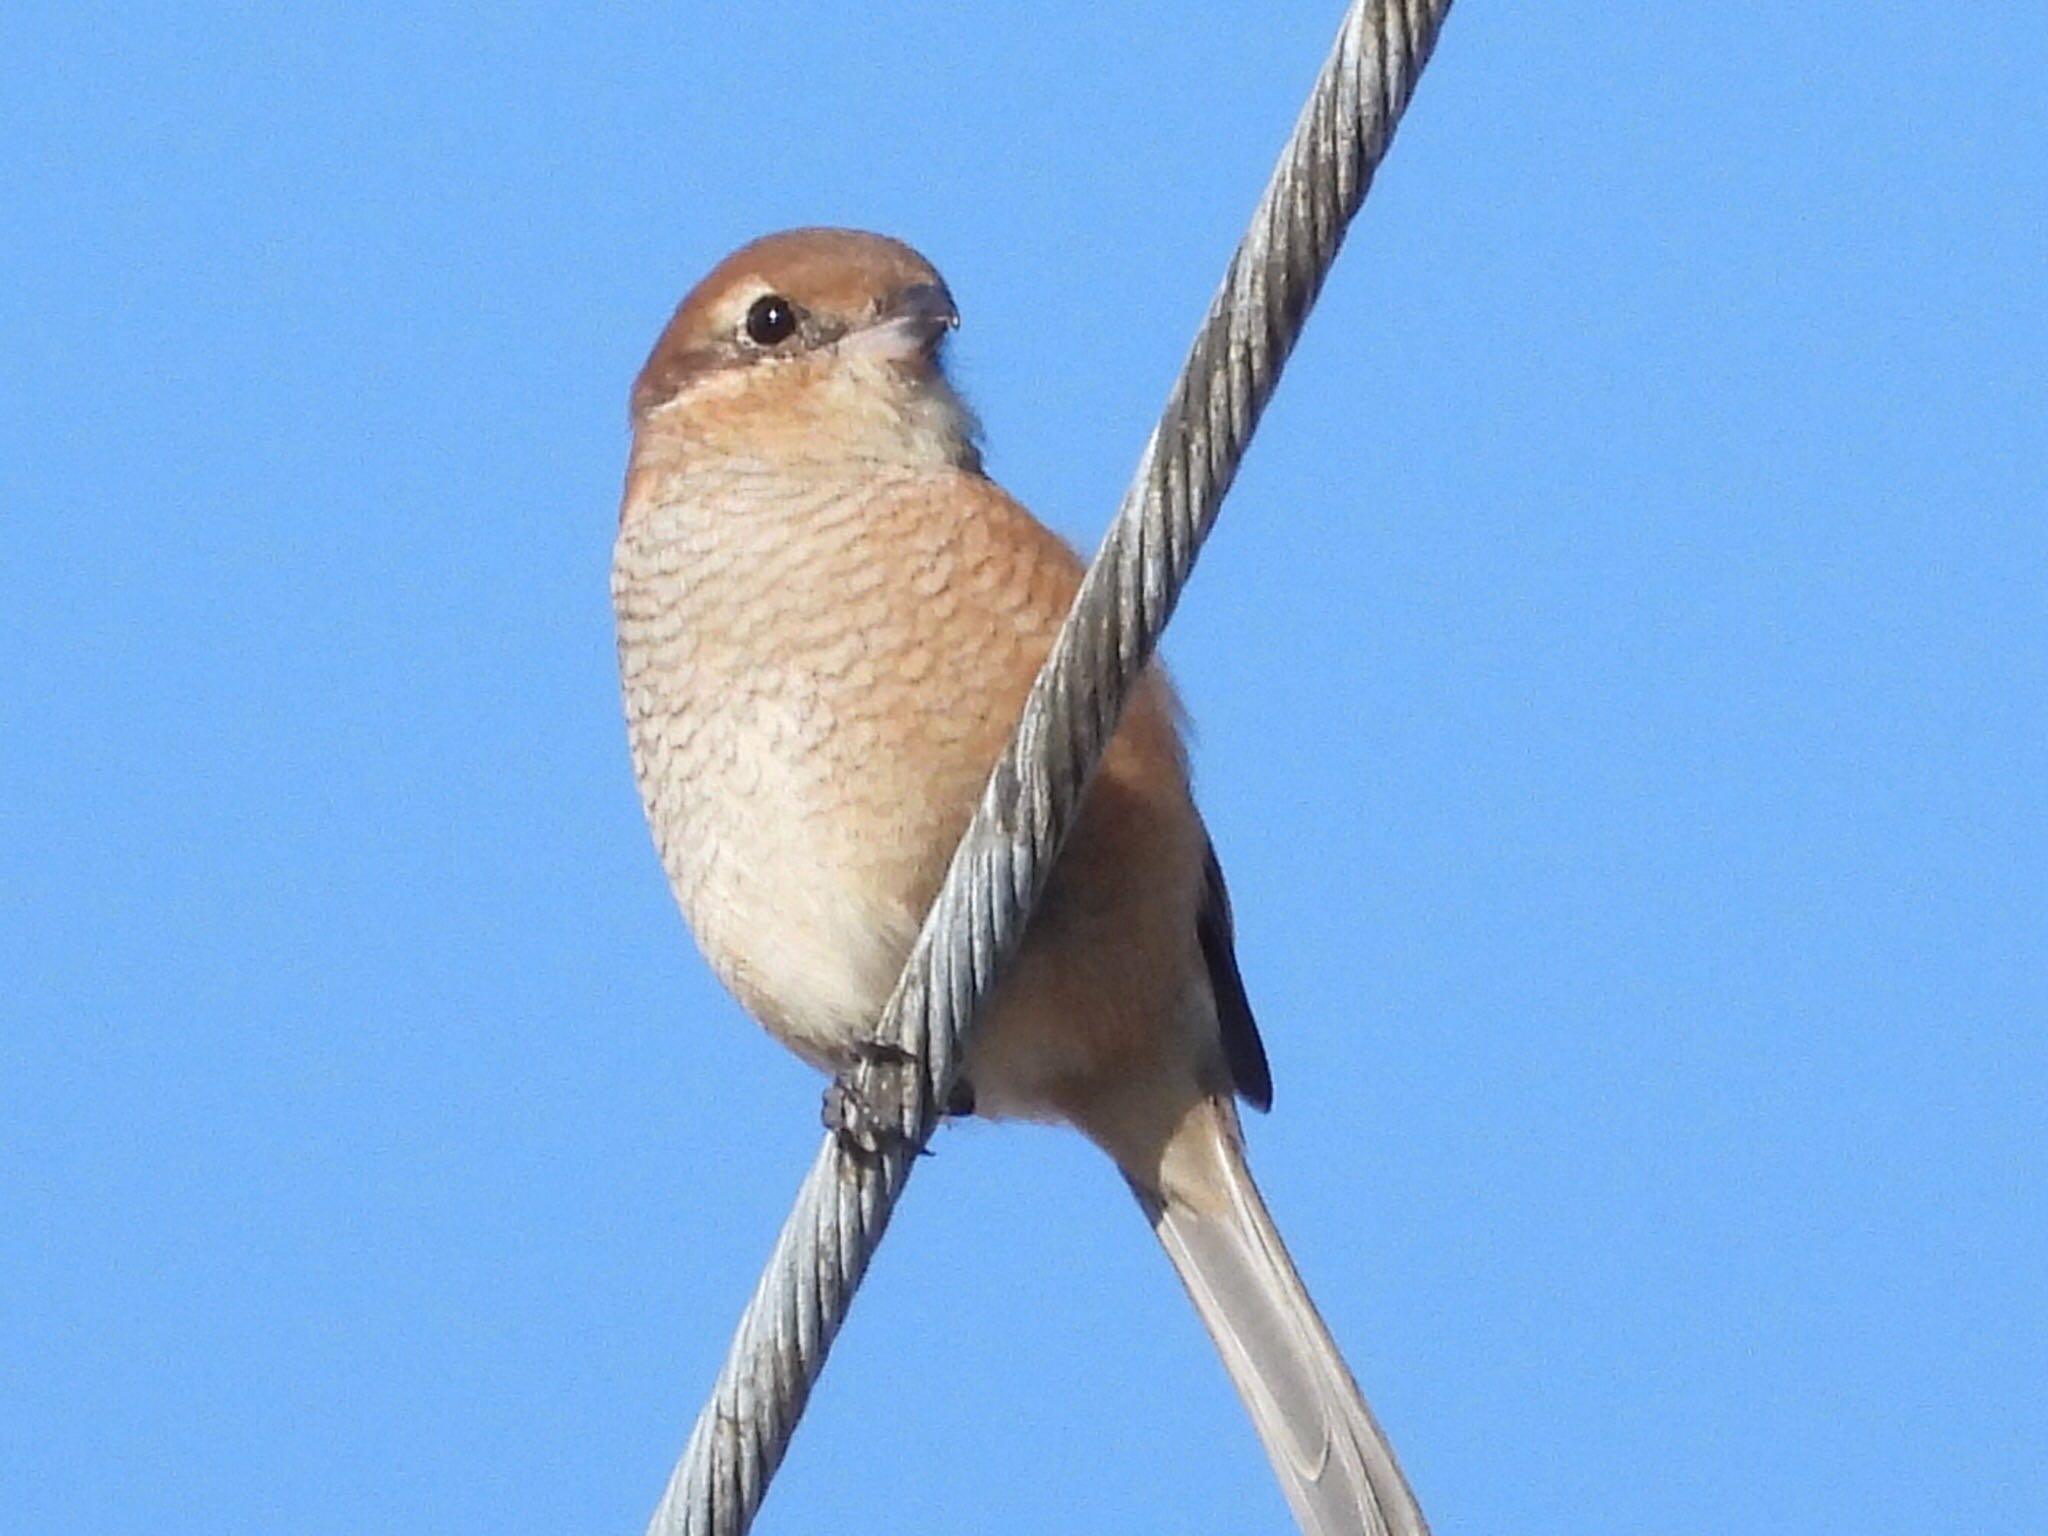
(925, 308)
(911, 321)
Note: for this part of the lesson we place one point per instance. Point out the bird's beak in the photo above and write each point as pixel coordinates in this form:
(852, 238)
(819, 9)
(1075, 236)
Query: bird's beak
(911, 321)
(925, 308)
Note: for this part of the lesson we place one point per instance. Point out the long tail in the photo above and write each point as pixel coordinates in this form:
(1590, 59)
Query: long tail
(1333, 1462)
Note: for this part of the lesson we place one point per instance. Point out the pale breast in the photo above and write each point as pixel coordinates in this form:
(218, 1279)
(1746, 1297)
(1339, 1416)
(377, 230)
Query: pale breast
(810, 716)
(816, 688)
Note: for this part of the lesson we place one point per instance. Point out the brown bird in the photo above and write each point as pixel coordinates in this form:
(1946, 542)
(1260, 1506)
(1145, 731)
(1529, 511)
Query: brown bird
(828, 620)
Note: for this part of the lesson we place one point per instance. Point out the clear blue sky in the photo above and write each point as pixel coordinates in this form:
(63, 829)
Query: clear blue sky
(1620, 676)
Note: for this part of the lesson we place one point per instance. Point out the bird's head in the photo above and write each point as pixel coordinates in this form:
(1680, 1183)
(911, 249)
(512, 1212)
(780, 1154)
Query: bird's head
(809, 346)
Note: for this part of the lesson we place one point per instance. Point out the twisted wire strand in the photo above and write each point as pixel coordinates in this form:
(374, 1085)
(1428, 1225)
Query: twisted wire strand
(1029, 805)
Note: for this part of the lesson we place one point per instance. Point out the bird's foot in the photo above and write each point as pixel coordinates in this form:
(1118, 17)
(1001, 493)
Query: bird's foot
(960, 1099)
(864, 1105)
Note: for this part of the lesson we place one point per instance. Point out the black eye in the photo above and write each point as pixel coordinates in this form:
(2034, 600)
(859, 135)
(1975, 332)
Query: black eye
(771, 319)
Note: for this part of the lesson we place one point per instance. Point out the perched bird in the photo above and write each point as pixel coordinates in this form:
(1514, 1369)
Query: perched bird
(828, 619)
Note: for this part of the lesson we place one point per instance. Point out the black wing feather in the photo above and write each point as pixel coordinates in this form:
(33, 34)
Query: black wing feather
(1243, 1050)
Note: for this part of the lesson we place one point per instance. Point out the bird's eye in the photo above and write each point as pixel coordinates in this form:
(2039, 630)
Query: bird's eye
(770, 319)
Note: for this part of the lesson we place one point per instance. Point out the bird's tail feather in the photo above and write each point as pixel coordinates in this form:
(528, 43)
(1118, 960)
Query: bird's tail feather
(1333, 1462)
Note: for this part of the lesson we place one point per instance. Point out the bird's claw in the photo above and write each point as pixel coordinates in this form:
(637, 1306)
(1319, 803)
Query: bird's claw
(865, 1106)
(850, 1114)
